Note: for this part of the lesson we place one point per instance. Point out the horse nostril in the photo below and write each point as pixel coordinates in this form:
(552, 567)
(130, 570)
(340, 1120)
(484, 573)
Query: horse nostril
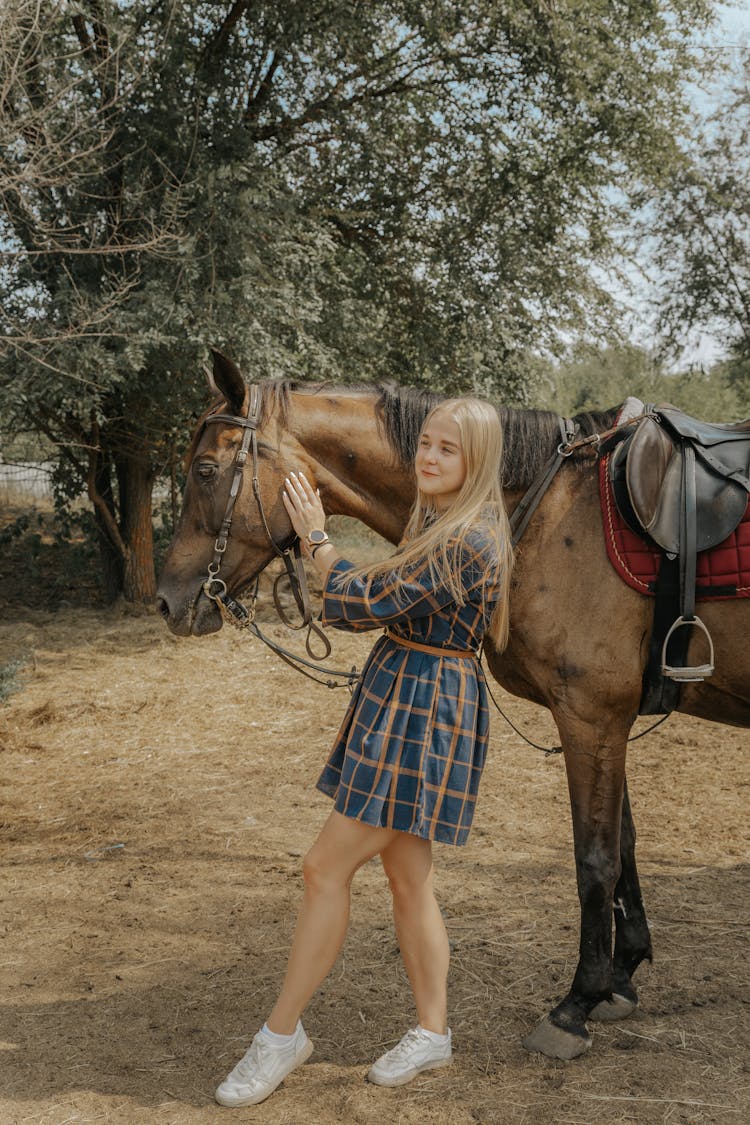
(162, 606)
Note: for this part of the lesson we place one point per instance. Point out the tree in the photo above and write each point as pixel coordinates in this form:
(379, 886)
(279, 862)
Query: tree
(699, 227)
(396, 189)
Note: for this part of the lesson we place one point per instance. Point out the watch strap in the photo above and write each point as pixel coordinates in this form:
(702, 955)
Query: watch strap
(317, 546)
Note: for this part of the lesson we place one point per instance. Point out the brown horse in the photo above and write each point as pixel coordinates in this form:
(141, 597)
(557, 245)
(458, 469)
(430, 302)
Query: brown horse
(579, 636)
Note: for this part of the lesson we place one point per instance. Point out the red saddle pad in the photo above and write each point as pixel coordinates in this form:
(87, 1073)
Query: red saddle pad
(722, 572)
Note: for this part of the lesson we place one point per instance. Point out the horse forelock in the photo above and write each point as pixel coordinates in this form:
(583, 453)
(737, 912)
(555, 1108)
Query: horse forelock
(274, 396)
(198, 433)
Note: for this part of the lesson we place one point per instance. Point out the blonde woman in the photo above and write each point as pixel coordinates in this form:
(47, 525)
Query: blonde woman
(406, 764)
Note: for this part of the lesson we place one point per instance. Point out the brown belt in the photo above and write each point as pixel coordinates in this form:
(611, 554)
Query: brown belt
(432, 650)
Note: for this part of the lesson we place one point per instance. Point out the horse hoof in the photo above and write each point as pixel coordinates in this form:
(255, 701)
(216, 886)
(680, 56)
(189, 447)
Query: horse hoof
(618, 1008)
(549, 1039)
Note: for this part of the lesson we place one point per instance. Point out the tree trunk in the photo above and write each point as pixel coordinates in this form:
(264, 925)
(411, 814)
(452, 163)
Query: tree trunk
(136, 481)
(110, 557)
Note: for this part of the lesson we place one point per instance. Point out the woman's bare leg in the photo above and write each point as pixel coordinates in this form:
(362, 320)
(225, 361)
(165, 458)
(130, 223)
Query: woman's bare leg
(342, 847)
(419, 927)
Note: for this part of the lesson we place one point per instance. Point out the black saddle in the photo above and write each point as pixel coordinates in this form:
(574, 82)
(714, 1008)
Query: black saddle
(684, 484)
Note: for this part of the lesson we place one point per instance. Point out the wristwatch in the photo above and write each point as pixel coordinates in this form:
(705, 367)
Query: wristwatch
(316, 538)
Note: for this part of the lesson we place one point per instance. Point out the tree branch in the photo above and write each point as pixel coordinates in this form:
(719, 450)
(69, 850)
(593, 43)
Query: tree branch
(262, 93)
(221, 38)
(108, 521)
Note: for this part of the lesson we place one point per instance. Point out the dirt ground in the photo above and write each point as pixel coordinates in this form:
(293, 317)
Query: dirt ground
(157, 800)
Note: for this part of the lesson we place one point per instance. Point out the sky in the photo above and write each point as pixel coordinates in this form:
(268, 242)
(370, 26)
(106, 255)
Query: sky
(731, 34)
(735, 23)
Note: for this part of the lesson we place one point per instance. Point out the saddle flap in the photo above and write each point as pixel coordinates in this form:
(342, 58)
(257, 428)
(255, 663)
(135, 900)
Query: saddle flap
(618, 460)
(647, 457)
(653, 474)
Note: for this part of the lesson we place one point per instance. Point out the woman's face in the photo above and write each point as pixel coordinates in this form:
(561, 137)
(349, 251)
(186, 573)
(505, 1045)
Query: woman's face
(440, 465)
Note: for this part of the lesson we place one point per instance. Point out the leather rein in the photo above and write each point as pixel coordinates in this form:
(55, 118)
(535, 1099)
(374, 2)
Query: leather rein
(232, 609)
(243, 617)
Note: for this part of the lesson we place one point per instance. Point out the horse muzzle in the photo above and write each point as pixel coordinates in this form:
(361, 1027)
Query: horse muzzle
(192, 614)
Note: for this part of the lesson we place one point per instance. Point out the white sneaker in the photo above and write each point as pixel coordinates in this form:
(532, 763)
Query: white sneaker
(262, 1068)
(416, 1052)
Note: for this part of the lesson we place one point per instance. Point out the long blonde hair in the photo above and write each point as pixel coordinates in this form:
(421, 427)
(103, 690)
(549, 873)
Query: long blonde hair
(435, 537)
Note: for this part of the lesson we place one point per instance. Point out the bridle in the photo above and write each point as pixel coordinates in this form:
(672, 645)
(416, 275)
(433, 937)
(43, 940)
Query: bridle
(232, 609)
(215, 587)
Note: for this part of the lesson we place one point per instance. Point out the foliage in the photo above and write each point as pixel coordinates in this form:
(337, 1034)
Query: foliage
(600, 378)
(396, 189)
(15, 529)
(698, 226)
(736, 372)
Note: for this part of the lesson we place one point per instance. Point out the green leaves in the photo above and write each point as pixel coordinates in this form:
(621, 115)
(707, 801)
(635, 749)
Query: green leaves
(397, 189)
(698, 227)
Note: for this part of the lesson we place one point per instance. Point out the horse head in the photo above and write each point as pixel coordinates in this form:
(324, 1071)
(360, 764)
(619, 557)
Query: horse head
(218, 484)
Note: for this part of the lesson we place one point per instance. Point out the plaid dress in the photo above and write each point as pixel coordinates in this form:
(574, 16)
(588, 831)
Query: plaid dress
(411, 748)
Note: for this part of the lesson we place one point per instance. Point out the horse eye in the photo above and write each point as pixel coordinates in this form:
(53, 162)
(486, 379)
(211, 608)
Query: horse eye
(206, 470)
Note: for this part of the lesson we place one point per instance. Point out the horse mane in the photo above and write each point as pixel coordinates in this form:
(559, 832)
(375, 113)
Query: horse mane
(530, 436)
(400, 410)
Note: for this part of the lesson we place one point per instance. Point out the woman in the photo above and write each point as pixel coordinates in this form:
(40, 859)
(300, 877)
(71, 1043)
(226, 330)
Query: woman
(406, 764)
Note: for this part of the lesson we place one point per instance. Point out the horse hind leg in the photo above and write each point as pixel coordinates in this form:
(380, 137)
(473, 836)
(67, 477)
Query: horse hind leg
(632, 936)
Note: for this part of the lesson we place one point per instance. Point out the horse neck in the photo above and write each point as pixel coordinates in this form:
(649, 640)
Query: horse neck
(339, 442)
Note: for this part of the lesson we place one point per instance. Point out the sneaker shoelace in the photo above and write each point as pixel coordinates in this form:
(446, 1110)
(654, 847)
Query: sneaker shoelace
(248, 1066)
(412, 1039)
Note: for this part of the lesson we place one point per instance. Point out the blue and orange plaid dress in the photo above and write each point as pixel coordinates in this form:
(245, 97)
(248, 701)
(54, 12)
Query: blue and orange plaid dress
(410, 751)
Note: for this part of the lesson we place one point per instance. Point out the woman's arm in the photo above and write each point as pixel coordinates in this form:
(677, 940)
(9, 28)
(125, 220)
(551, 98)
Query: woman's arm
(361, 603)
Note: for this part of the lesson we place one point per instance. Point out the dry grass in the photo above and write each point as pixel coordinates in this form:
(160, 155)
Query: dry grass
(158, 797)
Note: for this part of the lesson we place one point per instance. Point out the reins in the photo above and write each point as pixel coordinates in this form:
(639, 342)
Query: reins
(236, 613)
(550, 750)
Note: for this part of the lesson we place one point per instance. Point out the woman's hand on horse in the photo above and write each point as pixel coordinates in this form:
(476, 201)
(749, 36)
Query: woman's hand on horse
(303, 505)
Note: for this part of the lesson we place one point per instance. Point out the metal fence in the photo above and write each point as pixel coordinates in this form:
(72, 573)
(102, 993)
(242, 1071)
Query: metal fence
(29, 483)
(25, 482)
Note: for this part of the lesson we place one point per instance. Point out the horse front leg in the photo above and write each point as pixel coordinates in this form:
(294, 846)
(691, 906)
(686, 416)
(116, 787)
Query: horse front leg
(632, 936)
(595, 767)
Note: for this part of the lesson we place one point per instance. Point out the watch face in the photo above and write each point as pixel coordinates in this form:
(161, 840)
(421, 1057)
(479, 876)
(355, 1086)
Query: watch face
(317, 536)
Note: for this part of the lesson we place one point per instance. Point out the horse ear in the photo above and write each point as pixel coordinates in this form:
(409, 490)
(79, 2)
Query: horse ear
(210, 380)
(227, 379)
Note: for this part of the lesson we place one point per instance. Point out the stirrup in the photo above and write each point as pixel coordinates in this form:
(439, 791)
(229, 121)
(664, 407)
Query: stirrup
(693, 674)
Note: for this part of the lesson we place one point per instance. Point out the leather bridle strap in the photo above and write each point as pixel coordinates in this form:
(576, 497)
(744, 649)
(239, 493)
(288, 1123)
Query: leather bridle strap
(532, 498)
(250, 443)
(529, 502)
(214, 587)
(250, 423)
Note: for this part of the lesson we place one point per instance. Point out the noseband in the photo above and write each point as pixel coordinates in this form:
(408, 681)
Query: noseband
(215, 588)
